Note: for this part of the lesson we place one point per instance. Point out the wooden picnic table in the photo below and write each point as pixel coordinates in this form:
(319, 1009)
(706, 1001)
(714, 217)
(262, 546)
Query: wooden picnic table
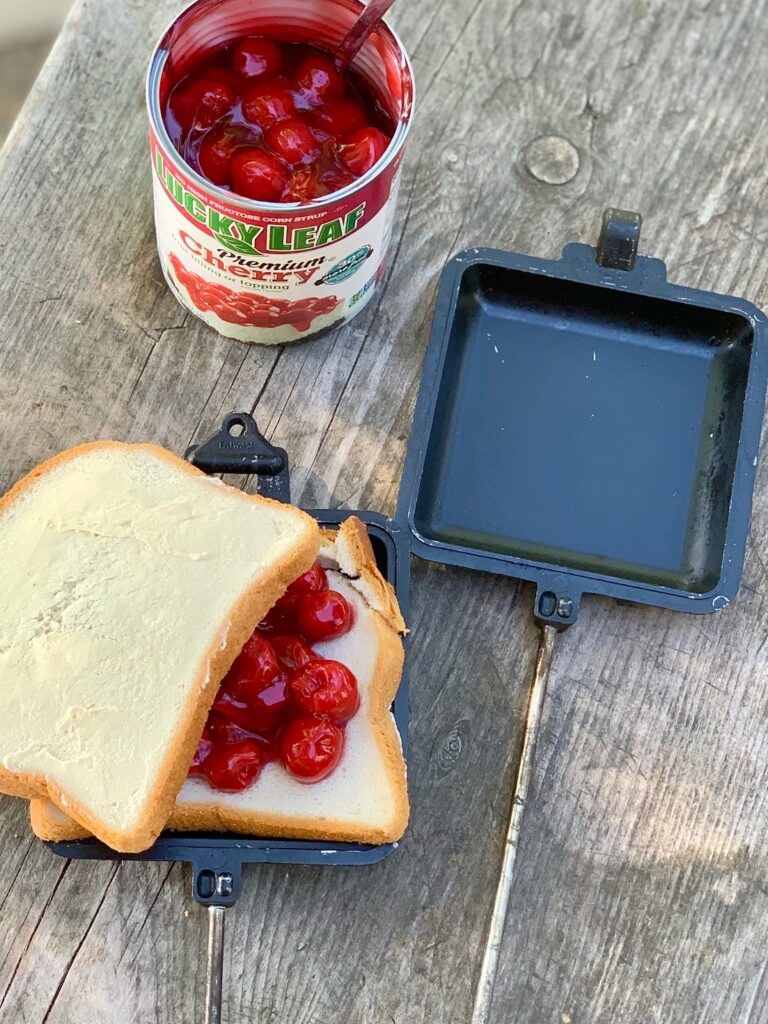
(641, 895)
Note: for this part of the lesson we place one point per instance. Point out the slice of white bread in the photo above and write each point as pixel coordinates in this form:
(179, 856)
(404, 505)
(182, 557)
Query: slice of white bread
(365, 799)
(130, 583)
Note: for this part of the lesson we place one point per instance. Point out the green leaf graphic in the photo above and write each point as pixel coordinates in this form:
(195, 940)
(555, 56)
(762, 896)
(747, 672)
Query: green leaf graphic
(235, 244)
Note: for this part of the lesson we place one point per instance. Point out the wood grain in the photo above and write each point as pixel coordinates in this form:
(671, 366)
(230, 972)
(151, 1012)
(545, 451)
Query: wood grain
(641, 894)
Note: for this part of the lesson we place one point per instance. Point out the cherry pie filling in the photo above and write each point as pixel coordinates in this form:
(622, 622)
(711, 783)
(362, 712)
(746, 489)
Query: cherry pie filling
(280, 700)
(276, 122)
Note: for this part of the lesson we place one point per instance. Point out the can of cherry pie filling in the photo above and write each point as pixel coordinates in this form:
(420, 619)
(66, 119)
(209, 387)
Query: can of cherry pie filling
(275, 173)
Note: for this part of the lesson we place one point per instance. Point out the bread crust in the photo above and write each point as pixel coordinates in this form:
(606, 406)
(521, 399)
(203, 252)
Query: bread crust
(356, 560)
(221, 817)
(226, 644)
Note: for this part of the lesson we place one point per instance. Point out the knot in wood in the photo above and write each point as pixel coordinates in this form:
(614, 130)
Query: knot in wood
(552, 159)
(448, 749)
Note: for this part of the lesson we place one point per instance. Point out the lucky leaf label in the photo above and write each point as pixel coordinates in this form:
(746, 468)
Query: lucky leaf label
(235, 244)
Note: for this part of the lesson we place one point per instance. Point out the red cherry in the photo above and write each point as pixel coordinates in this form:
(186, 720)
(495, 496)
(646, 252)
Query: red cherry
(257, 662)
(310, 748)
(303, 185)
(261, 709)
(253, 693)
(254, 57)
(267, 103)
(264, 714)
(204, 747)
(292, 652)
(224, 730)
(361, 150)
(313, 579)
(225, 75)
(339, 117)
(216, 152)
(258, 175)
(284, 610)
(324, 615)
(256, 706)
(325, 688)
(199, 102)
(334, 178)
(319, 77)
(280, 620)
(293, 141)
(234, 766)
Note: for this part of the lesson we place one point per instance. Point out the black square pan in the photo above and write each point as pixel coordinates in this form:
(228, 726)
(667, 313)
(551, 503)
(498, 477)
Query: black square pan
(588, 427)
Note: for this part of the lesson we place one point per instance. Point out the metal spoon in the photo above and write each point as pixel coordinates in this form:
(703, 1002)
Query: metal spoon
(362, 28)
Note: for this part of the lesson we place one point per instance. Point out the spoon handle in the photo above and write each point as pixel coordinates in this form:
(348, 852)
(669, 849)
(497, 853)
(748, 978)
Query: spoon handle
(354, 39)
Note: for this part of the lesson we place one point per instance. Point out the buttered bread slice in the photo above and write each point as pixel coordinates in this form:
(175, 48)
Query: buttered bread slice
(130, 583)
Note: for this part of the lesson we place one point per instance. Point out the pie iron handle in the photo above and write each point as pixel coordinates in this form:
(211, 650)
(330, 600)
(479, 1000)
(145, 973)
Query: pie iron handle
(216, 886)
(557, 605)
(215, 972)
(240, 447)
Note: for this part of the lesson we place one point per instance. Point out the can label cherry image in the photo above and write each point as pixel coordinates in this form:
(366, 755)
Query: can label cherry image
(270, 272)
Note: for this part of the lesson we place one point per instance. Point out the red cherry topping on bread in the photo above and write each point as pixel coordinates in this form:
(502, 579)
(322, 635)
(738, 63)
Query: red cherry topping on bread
(285, 609)
(254, 57)
(253, 693)
(292, 652)
(360, 150)
(224, 730)
(293, 142)
(313, 579)
(319, 77)
(258, 175)
(259, 709)
(325, 688)
(282, 618)
(267, 103)
(279, 698)
(324, 615)
(204, 748)
(310, 748)
(234, 766)
(257, 661)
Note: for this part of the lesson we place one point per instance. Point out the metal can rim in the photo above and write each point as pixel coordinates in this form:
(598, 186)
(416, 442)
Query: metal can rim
(156, 65)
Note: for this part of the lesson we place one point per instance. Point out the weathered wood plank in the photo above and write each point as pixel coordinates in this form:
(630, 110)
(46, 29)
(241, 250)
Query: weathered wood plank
(640, 895)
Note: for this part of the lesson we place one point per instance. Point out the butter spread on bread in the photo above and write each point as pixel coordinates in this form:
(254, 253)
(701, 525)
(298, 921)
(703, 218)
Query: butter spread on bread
(131, 582)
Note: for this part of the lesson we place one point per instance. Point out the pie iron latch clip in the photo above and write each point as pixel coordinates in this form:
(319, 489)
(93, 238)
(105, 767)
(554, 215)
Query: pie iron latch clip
(239, 447)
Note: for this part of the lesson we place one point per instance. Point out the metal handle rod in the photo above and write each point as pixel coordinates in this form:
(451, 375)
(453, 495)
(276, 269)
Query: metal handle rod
(484, 994)
(215, 965)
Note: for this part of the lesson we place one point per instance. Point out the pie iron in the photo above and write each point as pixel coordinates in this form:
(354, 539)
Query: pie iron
(587, 426)
(216, 858)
